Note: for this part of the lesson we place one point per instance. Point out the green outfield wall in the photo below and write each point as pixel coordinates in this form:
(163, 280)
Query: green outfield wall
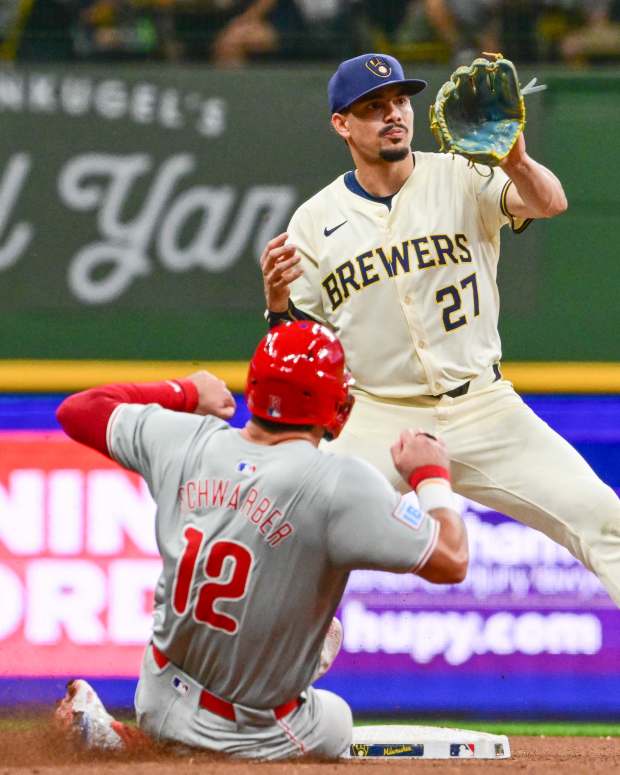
(134, 203)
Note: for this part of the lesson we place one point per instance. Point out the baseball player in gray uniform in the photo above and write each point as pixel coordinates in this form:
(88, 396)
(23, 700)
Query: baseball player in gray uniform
(399, 257)
(258, 530)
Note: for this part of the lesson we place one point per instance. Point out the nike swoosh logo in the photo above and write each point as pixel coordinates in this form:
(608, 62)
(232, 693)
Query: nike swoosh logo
(327, 231)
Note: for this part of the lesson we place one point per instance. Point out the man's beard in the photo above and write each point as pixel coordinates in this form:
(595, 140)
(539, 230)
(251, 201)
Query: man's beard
(394, 154)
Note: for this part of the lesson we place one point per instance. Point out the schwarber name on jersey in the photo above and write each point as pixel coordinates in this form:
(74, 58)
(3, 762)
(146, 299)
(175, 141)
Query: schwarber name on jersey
(410, 289)
(235, 523)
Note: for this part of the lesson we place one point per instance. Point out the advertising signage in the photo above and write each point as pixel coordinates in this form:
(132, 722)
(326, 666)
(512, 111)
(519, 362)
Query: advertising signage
(529, 630)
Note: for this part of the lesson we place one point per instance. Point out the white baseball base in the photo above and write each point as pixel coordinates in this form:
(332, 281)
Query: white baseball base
(401, 741)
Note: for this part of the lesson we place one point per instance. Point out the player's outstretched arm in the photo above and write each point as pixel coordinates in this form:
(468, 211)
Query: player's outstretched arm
(84, 416)
(537, 192)
(423, 462)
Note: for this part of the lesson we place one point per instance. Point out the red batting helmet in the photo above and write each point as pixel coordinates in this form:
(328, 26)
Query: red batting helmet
(298, 376)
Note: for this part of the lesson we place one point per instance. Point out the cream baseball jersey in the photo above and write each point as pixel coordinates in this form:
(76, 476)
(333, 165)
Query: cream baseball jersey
(409, 283)
(257, 543)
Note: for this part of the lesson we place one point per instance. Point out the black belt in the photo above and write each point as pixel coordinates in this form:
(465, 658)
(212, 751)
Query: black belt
(461, 390)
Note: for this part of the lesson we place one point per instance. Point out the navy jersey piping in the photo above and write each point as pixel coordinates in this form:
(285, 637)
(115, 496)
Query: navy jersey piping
(353, 185)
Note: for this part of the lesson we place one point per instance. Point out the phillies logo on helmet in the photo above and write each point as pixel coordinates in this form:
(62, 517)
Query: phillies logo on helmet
(379, 67)
(275, 406)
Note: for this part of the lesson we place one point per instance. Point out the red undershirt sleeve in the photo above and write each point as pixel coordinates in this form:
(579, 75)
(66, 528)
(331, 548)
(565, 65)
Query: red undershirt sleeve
(84, 416)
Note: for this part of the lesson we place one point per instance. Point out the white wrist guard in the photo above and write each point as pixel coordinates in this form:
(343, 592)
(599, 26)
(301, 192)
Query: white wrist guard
(435, 494)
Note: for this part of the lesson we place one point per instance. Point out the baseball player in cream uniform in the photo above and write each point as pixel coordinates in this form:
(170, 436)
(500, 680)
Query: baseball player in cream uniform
(258, 530)
(399, 257)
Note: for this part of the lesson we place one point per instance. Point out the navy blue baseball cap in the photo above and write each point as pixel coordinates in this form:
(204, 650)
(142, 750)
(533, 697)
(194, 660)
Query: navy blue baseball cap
(358, 77)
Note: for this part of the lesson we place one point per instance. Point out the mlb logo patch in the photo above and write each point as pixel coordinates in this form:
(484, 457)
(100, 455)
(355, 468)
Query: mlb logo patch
(408, 512)
(180, 686)
(463, 750)
(246, 468)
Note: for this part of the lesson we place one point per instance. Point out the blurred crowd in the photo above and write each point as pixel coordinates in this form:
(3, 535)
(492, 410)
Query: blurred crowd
(231, 33)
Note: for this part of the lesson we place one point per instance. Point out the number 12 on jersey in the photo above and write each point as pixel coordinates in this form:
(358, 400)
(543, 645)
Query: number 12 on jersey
(227, 567)
(452, 293)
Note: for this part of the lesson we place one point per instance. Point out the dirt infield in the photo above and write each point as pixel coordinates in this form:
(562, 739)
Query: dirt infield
(41, 752)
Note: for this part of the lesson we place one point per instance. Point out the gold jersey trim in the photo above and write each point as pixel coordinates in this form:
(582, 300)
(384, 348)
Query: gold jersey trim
(516, 227)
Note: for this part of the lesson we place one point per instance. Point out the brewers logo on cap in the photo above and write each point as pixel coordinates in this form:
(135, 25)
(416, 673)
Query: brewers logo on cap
(379, 67)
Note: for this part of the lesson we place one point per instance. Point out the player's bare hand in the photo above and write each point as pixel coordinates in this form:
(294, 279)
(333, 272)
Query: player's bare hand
(213, 395)
(415, 448)
(280, 264)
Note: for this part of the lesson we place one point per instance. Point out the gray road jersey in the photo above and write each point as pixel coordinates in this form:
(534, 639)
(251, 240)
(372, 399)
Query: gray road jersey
(257, 542)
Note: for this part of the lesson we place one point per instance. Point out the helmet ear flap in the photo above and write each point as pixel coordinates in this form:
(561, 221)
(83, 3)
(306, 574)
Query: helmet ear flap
(343, 408)
(333, 430)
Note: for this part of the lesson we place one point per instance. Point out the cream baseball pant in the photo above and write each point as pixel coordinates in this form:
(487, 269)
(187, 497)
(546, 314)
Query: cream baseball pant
(167, 709)
(505, 457)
